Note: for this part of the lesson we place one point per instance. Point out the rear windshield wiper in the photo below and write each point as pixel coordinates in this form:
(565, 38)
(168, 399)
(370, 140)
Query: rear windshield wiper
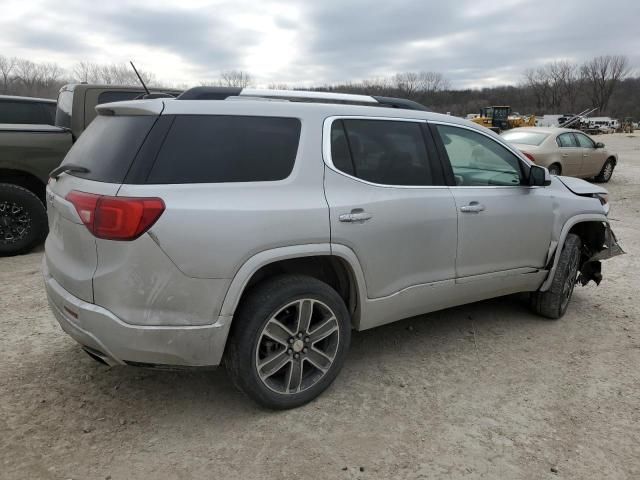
(69, 167)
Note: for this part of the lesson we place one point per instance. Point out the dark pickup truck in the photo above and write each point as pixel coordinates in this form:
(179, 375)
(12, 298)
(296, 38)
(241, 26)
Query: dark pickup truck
(28, 153)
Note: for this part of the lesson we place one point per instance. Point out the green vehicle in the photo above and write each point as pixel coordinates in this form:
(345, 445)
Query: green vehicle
(29, 152)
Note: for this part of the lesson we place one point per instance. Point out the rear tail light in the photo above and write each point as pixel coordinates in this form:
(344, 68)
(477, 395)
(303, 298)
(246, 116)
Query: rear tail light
(529, 156)
(116, 218)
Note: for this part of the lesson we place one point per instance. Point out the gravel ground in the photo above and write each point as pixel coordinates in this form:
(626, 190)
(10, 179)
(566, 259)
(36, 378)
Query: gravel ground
(487, 390)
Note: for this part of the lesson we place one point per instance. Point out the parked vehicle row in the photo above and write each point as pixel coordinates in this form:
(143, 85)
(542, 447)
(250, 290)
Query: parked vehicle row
(258, 234)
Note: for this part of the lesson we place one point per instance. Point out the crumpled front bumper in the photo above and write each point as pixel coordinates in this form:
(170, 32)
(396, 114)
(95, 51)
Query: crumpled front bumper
(591, 269)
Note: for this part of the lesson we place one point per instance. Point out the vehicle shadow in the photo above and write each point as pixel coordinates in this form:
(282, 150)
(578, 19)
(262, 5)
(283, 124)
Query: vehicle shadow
(132, 391)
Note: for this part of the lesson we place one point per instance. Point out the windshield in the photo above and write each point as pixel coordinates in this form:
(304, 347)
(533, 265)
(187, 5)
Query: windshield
(525, 138)
(63, 112)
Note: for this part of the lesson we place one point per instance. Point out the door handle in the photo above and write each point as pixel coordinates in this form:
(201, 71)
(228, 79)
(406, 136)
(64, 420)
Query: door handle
(473, 207)
(565, 155)
(585, 155)
(357, 215)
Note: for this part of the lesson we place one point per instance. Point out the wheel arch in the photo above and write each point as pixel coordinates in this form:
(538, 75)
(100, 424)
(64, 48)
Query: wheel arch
(24, 179)
(587, 226)
(337, 266)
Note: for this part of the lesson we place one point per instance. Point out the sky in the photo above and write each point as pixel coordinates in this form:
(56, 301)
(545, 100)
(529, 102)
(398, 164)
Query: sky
(473, 43)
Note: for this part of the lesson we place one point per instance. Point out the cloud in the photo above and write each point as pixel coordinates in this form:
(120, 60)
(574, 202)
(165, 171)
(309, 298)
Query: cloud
(472, 42)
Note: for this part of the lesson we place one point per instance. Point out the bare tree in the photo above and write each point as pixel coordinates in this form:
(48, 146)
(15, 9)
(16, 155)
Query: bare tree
(407, 82)
(434, 82)
(110, 74)
(279, 86)
(28, 74)
(602, 75)
(411, 84)
(6, 67)
(235, 78)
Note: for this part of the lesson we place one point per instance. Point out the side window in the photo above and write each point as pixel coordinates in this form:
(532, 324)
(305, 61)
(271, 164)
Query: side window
(477, 160)
(227, 148)
(566, 140)
(584, 141)
(387, 152)
(340, 154)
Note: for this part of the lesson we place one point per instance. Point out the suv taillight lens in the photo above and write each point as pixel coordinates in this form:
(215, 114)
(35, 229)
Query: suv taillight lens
(116, 218)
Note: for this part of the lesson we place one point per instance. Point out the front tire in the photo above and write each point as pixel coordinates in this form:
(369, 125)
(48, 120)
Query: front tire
(554, 302)
(289, 340)
(606, 173)
(555, 169)
(23, 220)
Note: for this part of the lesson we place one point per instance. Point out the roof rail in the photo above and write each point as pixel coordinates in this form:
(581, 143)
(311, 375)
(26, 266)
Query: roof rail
(222, 93)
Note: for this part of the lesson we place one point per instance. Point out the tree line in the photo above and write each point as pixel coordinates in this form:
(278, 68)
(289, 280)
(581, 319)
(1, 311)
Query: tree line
(603, 82)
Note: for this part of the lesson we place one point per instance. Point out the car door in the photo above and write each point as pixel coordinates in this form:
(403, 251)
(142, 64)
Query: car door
(571, 154)
(592, 157)
(504, 225)
(389, 203)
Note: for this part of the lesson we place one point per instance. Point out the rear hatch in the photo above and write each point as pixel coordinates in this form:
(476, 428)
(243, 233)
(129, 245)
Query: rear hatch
(107, 149)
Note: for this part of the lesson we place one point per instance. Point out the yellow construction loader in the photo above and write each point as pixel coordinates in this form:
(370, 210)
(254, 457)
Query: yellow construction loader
(499, 118)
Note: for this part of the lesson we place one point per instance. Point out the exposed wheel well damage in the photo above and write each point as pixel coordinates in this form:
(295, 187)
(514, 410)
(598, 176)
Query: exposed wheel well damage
(598, 243)
(329, 269)
(24, 180)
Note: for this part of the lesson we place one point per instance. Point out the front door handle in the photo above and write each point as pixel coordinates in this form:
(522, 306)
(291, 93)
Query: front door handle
(357, 215)
(565, 155)
(473, 207)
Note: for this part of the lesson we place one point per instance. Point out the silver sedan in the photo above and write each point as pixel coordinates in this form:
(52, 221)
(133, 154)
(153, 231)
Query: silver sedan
(564, 152)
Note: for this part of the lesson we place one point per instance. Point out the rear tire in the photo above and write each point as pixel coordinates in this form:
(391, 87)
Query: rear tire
(289, 340)
(607, 172)
(554, 302)
(555, 169)
(23, 220)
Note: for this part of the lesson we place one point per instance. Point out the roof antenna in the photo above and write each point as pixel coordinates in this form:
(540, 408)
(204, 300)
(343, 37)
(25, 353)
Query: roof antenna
(140, 78)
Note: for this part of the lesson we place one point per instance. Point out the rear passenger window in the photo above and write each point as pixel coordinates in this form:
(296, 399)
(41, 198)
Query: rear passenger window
(567, 140)
(381, 151)
(224, 148)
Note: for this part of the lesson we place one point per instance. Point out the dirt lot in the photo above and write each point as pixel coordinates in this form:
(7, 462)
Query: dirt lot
(482, 391)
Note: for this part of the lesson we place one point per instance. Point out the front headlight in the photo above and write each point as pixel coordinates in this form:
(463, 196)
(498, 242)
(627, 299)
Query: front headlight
(604, 201)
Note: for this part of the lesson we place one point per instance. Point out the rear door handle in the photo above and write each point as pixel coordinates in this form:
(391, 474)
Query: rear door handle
(565, 155)
(357, 215)
(473, 207)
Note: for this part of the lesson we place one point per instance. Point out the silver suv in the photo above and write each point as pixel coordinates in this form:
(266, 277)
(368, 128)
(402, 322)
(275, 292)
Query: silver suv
(258, 228)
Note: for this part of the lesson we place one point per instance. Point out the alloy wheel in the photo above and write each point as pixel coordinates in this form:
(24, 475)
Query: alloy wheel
(570, 281)
(297, 346)
(15, 222)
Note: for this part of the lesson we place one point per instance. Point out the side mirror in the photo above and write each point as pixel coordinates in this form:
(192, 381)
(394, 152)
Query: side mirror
(599, 145)
(539, 176)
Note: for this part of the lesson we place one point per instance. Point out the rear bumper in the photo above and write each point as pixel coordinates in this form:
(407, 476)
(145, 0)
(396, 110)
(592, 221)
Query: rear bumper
(120, 343)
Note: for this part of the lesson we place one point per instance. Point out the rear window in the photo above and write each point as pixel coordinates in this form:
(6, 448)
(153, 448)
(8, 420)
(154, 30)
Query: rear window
(22, 112)
(108, 146)
(223, 148)
(525, 138)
